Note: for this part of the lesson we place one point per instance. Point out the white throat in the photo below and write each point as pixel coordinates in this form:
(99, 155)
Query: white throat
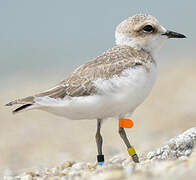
(150, 45)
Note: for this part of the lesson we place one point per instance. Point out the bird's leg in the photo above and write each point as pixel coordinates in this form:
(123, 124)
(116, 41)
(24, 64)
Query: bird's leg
(130, 148)
(99, 141)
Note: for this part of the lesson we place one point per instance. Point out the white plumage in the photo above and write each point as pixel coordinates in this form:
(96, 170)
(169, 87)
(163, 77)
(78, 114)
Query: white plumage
(116, 96)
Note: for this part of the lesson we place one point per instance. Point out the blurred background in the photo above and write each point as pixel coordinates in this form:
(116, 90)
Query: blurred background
(43, 41)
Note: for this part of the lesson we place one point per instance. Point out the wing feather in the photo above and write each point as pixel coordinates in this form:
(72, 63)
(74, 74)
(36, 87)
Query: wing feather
(80, 82)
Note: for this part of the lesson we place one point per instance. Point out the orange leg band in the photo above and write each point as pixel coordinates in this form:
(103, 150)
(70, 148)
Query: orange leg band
(125, 123)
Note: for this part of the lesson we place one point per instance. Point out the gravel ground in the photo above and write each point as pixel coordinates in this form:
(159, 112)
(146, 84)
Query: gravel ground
(175, 160)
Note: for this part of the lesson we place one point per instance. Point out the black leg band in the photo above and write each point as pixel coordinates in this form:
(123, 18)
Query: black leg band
(100, 159)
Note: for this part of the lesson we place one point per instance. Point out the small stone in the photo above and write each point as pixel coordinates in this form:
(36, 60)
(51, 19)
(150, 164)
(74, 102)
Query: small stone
(38, 172)
(64, 178)
(183, 158)
(91, 166)
(109, 175)
(66, 165)
(127, 162)
(8, 178)
(116, 159)
(182, 145)
(26, 177)
(150, 155)
(41, 178)
(56, 178)
(188, 152)
(79, 166)
(65, 171)
(55, 171)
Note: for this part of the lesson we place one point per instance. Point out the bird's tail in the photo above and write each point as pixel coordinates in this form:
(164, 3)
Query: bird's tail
(27, 104)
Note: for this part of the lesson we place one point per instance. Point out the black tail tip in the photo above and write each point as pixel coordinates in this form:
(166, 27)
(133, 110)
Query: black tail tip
(21, 108)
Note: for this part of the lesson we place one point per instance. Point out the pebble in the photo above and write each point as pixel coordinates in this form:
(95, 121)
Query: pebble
(26, 177)
(181, 145)
(79, 166)
(55, 171)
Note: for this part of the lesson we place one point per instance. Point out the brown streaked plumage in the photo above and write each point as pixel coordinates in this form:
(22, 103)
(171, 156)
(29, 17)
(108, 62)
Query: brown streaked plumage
(80, 82)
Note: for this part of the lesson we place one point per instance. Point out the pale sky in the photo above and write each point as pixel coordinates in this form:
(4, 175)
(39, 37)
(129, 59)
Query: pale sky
(46, 34)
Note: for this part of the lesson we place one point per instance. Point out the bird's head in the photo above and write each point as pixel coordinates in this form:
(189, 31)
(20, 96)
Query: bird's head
(143, 31)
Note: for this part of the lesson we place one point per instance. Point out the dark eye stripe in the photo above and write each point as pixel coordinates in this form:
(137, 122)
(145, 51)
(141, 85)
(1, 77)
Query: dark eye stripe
(148, 28)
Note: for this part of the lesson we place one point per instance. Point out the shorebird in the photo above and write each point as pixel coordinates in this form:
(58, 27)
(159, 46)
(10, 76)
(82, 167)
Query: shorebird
(110, 85)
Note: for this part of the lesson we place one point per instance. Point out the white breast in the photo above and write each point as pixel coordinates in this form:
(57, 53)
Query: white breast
(116, 96)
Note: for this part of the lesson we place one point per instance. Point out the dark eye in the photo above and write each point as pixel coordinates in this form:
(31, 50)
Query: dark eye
(148, 28)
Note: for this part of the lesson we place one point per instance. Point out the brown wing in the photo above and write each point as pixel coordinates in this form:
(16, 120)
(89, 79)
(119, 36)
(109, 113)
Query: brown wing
(110, 63)
(80, 82)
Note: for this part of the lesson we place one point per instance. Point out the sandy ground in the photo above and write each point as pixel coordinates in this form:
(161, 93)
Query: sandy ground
(38, 139)
(175, 160)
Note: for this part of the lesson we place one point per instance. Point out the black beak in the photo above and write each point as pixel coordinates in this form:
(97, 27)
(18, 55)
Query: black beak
(171, 34)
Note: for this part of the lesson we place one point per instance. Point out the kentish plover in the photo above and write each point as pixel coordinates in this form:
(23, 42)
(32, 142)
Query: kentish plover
(112, 84)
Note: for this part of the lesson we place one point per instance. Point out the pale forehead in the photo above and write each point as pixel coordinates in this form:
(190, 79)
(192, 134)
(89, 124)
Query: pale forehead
(136, 21)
